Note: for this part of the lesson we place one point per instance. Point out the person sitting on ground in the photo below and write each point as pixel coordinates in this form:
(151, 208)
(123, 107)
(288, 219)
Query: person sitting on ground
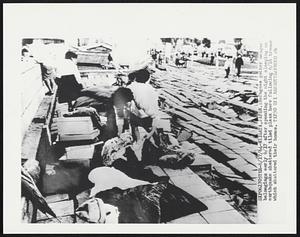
(68, 80)
(144, 108)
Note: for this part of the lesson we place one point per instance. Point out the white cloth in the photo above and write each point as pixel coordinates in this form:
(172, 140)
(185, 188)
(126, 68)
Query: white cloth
(96, 211)
(228, 64)
(146, 98)
(68, 67)
(106, 178)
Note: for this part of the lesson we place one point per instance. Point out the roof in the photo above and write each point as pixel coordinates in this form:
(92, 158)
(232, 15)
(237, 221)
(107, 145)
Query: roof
(97, 47)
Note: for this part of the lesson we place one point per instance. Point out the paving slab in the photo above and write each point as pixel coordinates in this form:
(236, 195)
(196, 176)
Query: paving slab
(178, 172)
(63, 208)
(225, 217)
(64, 220)
(56, 198)
(190, 219)
(216, 205)
(156, 170)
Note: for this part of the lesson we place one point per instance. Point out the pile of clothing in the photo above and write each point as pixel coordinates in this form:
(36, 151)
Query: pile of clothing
(117, 198)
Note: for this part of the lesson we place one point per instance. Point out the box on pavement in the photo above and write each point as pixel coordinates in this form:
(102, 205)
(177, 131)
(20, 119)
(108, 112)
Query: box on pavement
(80, 152)
(76, 128)
(74, 125)
(79, 137)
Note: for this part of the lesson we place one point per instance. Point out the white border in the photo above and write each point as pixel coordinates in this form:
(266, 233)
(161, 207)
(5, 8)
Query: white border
(258, 21)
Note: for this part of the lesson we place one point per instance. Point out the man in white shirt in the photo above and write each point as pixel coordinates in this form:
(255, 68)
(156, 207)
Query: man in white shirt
(144, 110)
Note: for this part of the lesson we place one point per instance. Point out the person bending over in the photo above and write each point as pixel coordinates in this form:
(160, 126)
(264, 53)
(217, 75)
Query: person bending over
(144, 110)
(68, 80)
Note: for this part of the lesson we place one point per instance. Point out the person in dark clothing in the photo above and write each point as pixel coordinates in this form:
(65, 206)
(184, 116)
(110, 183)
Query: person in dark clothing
(238, 64)
(68, 80)
(110, 59)
(212, 57)
(154, 55)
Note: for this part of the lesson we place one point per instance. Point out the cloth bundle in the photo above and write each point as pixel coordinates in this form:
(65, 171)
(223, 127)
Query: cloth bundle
(114, 148)
(174, 156)
(95, 210)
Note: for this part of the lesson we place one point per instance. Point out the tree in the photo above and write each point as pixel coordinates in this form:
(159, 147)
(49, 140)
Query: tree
(206, 42)
(197, 41)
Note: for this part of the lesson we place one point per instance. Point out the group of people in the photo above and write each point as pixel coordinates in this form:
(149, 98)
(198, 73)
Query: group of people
(64, 74)
(229, 64)
(135, 105)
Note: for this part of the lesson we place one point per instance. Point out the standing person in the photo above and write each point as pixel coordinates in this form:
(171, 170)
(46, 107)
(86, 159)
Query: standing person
(228, 65)
(68, 80)
(48, 75)
(160, 57)
(212, 57)
(238, 64)
(144, 109)
(154, 55)
(177, 58)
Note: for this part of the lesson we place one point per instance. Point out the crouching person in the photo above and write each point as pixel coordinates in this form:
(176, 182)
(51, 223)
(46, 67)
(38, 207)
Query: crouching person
(143, 110)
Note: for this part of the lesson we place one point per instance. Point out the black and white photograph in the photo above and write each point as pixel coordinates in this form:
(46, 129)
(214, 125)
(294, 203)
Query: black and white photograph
(155, 131)
(146, 128)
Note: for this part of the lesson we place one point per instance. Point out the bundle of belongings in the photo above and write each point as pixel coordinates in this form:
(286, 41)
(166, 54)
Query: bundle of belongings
(117, 198)
(168, 154)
